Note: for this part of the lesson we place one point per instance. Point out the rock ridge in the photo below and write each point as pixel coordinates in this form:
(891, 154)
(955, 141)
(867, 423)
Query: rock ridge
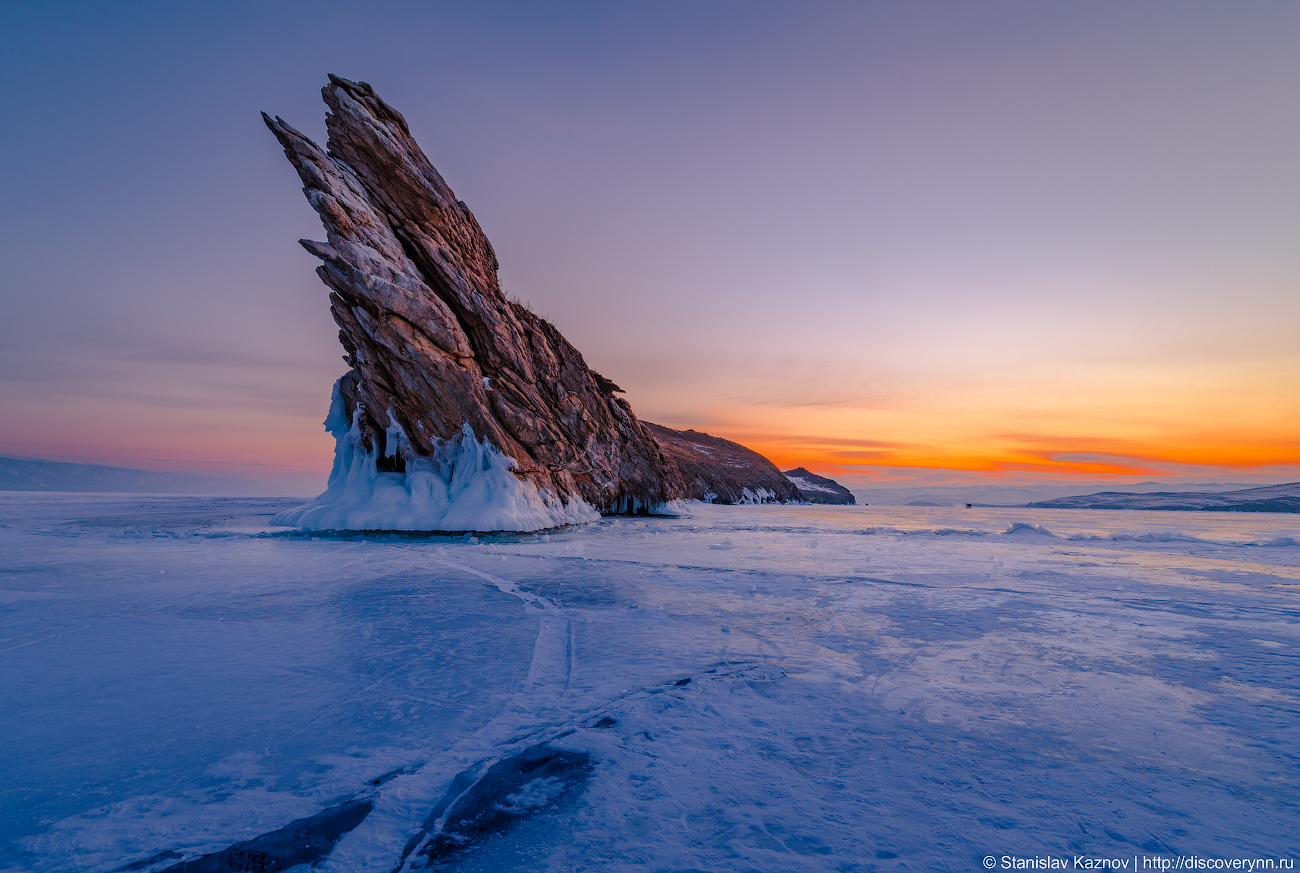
(720, 471)
(819, 489)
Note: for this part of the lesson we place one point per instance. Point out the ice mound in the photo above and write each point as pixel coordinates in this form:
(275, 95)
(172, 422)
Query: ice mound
(1150, 537)
(1277, 541)
(465, 486)
(938, 532)
(1020, 527)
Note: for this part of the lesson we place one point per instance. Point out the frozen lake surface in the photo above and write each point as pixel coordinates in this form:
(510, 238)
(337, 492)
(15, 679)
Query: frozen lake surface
(894, 688)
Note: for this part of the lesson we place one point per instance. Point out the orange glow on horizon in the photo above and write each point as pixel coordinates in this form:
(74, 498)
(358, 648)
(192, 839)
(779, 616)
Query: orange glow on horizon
(786, 453)
(1076, 424)
(1072, 458)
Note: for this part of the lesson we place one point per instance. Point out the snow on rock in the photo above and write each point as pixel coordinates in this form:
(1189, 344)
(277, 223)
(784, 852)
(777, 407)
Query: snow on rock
(464, 484)
(806, 485)
(819, 489)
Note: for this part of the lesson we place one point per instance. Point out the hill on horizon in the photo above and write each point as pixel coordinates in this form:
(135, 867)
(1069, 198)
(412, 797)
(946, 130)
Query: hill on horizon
(36, 474)
(1269, 498)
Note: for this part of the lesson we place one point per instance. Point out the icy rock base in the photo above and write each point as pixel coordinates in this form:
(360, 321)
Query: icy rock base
(466, 486)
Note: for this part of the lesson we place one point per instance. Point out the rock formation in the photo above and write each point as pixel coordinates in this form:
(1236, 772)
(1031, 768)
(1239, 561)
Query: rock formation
(457, 395)
(720, 471)
(433, 343)
(819, 489)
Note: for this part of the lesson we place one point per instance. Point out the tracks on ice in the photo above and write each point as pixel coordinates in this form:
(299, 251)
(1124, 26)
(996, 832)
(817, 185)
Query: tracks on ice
(424, 807)
(534, 716)
(551, 667)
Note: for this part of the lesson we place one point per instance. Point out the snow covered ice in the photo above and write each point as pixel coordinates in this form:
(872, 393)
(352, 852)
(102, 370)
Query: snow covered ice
(740, 688)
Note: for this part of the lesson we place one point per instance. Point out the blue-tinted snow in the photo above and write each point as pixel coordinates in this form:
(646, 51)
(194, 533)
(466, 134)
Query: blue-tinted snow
(871, 688)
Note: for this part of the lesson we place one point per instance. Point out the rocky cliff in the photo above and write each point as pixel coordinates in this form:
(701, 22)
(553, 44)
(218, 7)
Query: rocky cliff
(463, 410)
(819, 489)
(436, 349)
(720, 471)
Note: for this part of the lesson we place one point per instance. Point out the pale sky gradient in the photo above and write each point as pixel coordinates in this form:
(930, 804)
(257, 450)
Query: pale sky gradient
(891, 242)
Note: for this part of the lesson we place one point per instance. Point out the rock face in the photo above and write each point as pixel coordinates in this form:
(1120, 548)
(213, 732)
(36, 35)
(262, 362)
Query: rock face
(450, 379)
(819, 489)
(720, 471)
(433, 343)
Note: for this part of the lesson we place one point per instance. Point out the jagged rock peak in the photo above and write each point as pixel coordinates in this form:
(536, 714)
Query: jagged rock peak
(433, 343)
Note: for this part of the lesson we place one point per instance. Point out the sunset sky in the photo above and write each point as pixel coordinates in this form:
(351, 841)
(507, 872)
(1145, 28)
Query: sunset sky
(920, 243)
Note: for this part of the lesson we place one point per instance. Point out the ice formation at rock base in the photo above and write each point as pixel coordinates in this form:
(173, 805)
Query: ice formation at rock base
(465, 485)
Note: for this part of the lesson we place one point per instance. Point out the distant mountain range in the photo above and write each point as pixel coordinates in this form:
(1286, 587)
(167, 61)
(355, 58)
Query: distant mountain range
(1272, 498)
(34, 474)
(1013, 495)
